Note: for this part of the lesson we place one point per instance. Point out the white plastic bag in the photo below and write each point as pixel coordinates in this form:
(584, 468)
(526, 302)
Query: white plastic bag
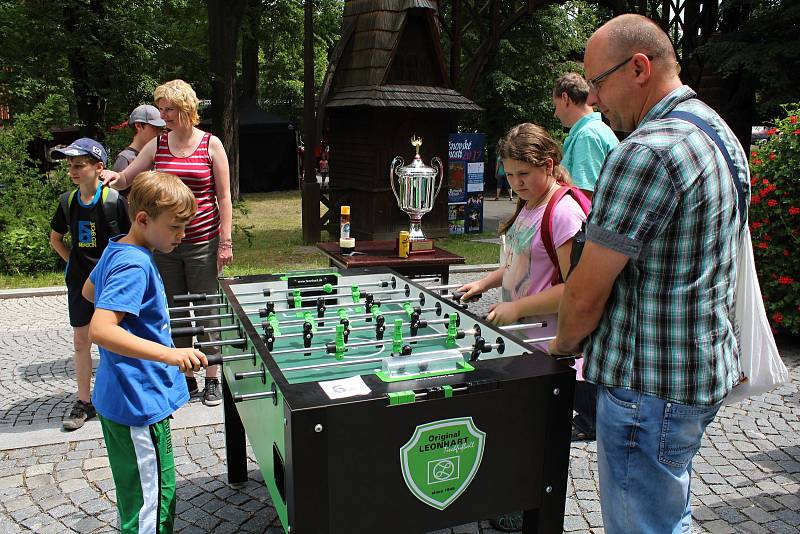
(761, 365)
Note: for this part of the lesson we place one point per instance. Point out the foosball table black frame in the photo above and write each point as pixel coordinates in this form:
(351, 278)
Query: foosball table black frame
(337, 467)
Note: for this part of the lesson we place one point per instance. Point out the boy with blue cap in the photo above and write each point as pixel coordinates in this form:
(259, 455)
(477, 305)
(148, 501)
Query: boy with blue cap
(91, 214)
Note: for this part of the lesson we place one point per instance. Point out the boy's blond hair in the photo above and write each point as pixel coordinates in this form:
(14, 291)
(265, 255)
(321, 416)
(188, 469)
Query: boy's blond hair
(181, 95)
(157, 192)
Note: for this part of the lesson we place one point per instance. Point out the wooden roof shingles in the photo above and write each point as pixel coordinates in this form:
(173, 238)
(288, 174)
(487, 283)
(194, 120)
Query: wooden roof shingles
(413, 96)
(359, 74)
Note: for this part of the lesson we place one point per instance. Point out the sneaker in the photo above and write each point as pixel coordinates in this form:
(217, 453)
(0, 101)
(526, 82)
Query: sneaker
(212, 395)
(81, 411)
(191, 384)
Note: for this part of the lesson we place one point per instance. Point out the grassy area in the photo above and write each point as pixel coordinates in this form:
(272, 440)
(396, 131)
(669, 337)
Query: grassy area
(273, 222)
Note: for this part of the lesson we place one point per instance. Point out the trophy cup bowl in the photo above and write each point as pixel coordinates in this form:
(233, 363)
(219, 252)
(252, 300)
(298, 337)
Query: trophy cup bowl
(415, 187)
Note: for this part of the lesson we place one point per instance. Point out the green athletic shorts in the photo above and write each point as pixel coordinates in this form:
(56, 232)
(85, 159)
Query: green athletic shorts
(144, 473)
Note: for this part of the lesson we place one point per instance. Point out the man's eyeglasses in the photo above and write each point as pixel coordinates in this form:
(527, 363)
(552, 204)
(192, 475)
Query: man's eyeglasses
(593, 83)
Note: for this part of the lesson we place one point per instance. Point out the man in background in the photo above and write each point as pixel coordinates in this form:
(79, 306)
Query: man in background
(589, 140)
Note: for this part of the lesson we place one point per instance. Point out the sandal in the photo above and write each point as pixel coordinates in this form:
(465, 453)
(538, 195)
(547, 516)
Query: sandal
(507, 522)
(580, 435)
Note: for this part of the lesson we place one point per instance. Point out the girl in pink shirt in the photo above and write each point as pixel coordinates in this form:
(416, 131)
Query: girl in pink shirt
(532, 162)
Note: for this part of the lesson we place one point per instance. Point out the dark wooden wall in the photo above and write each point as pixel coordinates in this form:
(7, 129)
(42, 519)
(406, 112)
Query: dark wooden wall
(363, 142)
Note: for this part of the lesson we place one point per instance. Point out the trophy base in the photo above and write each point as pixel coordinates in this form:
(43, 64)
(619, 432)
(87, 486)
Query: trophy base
(418, 247)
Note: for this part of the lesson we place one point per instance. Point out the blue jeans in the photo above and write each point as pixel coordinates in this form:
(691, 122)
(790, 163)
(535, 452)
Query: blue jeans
(645, 447)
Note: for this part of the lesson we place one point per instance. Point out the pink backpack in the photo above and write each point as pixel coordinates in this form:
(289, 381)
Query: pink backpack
(547, 223)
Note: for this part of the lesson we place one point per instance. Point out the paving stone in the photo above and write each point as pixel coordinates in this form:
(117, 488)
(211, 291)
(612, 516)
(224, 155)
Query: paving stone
(88, 524)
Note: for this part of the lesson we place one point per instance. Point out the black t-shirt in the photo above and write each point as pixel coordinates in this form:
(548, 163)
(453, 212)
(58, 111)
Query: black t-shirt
(90, 233)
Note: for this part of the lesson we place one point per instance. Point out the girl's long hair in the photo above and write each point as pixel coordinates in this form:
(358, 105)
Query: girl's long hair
(532, 144)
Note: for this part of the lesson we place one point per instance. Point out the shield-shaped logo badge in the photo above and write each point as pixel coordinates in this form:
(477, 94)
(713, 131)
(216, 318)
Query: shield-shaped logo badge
(441, 459)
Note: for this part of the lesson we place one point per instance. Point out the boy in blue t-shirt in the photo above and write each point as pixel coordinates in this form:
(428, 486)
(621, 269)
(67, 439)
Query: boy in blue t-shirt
(139, 380)
(84, 214)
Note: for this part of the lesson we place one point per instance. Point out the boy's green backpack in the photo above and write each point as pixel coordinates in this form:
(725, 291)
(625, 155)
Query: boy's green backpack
(109, 198)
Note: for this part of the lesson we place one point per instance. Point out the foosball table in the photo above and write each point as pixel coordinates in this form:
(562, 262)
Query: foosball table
(374, 404)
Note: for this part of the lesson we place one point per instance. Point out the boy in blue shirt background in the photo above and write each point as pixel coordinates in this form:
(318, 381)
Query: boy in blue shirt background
(91, 214)
(139, 381)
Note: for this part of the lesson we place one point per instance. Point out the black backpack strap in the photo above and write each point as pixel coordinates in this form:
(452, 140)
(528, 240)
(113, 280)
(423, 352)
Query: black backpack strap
(64, 201)
(110, 197)
(712, 133)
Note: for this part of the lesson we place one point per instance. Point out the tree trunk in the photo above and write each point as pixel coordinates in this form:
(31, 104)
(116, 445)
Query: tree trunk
(224, 20)
(311, 228)
(82, 28)
(455, 47)
(250, 47)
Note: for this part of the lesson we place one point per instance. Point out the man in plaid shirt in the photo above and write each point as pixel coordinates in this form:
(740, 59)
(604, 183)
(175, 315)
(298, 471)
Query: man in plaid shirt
(651, 301)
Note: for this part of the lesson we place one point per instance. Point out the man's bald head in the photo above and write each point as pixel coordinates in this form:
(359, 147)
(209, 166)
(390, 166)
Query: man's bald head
(630, 34)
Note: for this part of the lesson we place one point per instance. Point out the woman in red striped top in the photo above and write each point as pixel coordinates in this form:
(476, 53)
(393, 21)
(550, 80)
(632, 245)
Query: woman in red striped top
(199, 160)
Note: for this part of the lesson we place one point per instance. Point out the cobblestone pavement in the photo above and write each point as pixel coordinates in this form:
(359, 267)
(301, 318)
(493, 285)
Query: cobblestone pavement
(746, 475)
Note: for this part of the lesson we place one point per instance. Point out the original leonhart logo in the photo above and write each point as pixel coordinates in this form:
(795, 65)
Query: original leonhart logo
(441, 459)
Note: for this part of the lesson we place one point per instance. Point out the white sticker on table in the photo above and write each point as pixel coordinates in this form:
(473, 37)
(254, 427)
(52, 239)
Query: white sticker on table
(347, 387)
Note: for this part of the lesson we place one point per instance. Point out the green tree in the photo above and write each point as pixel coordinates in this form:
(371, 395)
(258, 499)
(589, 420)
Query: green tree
(762, 47)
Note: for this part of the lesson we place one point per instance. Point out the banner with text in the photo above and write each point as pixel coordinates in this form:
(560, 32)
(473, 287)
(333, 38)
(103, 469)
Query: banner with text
(465, 182)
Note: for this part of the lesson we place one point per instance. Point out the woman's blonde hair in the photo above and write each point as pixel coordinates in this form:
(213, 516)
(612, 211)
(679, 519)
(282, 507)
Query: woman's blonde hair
(181, 95)
(157, 192)
(532, 144)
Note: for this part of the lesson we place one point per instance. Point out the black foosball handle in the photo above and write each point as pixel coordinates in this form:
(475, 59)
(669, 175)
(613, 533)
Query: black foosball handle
(214, 359)
(458, 294)
(190, 297)
(188, 331)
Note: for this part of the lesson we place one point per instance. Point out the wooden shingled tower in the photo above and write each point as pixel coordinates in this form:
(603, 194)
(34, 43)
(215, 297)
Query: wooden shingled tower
(387, 81)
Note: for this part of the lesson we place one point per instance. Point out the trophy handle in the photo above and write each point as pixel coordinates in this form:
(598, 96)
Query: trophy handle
(437, 164)
(396, 162)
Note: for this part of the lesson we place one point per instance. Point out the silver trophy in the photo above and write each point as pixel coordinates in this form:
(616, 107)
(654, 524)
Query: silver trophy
(416, 189)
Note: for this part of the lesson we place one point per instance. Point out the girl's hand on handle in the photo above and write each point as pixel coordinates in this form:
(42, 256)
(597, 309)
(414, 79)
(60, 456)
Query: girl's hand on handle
(503, 313)
(470, 290)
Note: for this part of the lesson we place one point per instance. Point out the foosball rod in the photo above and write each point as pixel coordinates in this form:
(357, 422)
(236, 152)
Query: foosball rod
(266, 292)
(426, 279)
(193, 318)
(427, 323)
(179, 309)
(300, 297)
(373, 360)
(201, 330)
(263, 311)
(426, 337)
(300, 322)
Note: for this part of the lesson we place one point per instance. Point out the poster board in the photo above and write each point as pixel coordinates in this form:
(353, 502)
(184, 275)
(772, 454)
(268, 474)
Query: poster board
(465, 181)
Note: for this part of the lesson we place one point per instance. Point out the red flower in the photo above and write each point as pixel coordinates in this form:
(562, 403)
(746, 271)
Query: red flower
(793, 119)
(755, 226)
(754, 154)
(765, 181)
(796, 132)
(755, 200)
(772, 131)
(772, 156)
(777, 317)
(758, 161)
(786, 280)
(762, 244)
(794, 211)
(772, 203)
(785, 252)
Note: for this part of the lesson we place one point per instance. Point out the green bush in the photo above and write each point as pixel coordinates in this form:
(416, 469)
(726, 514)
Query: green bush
(27, 248)
(775, 219)
(28, 197)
